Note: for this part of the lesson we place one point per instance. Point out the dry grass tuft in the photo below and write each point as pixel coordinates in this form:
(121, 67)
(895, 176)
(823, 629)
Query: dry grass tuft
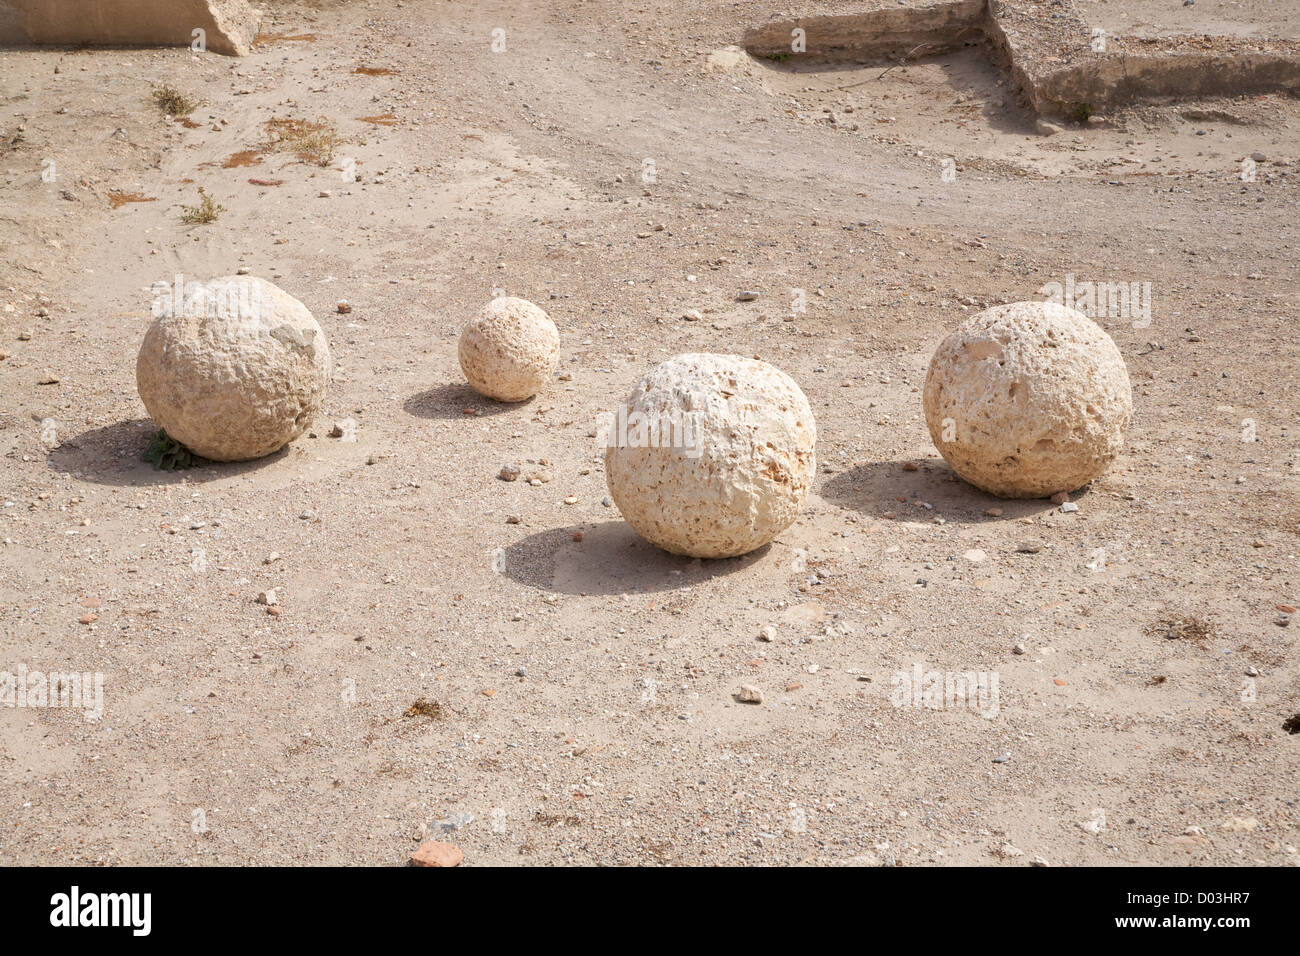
(205, 212)
(172, 101)
(312, 141)
(1183, 627)
(424, 707)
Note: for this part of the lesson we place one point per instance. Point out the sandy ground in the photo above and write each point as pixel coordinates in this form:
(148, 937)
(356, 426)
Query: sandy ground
(579, 693)
(1245, 18)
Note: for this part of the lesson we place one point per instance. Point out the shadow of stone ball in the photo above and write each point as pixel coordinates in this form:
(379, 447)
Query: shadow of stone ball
(611, 558)
(111, 455)
(881, 488)
(457, 401)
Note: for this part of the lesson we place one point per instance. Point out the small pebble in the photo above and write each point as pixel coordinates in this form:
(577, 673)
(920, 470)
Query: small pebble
(439, 854)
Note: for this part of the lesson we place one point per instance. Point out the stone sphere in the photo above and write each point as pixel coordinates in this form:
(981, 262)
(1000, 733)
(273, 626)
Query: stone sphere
(509, 352)
(711, 456)
(1028, 399)
(234, 368)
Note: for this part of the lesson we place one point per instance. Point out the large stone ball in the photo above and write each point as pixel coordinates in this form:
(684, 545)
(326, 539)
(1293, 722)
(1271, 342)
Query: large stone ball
(711, 456)
(234, 368)
(510, 350)
(1028, 399)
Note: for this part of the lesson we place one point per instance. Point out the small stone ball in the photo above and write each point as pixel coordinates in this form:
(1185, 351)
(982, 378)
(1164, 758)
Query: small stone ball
(509, 352)
(711, 456)
(234, 368)
(1028, 399)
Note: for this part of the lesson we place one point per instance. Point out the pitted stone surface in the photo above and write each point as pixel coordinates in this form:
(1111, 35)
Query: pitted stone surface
(1028, 399)
(739, 469)
(510, 350)
(237, 372)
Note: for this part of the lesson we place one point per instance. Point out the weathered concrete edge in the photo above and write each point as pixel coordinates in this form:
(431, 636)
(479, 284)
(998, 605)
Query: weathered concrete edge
(888, 31)
(1087, 81)
(229, 26)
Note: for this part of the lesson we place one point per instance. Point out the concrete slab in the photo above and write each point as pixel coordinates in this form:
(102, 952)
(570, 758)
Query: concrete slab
(228, 25)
